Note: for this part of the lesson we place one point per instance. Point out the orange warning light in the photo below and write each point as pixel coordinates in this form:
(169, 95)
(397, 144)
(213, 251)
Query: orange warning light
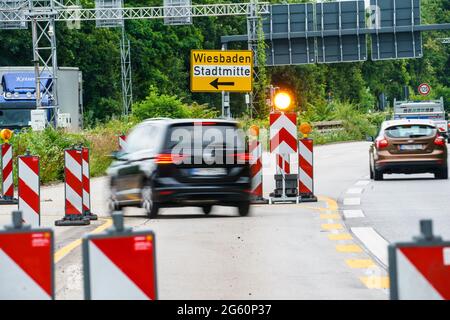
(305, 128)
(254, 130)
(6, 135)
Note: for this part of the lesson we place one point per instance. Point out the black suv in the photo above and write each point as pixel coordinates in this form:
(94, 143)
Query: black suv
(182, 162)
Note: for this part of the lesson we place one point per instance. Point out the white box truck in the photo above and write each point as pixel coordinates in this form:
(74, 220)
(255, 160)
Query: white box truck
(432, 109)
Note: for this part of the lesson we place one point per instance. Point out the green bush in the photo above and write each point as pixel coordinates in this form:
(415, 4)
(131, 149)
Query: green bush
(49, 145)
(158, 105)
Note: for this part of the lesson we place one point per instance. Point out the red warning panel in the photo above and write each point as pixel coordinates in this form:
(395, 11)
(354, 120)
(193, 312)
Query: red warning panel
(26, 265)
(120, 266)
(423, 272)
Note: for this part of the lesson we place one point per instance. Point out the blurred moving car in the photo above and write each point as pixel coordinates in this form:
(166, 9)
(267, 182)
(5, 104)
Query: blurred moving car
(408, 146)
(182, 162)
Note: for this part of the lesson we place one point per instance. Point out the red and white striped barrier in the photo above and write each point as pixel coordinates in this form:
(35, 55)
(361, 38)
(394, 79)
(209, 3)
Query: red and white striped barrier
(86, 181)
(73, 172)
(122, 142)
(283, 165)
(7, 169)
(29, 189)
(26, 264)
(283, 139)
(255, 151)
(120, 265)
(306, 169)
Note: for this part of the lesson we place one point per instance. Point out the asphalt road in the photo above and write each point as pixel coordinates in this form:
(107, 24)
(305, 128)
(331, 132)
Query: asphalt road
(332, 249)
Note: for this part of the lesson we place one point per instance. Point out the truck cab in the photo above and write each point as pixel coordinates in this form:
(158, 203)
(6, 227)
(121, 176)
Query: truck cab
(18, 99)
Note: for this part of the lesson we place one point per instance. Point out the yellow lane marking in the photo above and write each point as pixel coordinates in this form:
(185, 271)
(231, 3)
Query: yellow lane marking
(332, 226)
(340, 236)
(348, 248)
(332, 204)
(375, 282)
(61, 253)
(330, 216)
(360, 263)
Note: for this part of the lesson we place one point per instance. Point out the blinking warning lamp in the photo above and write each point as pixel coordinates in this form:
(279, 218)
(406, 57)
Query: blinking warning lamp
(305, 128)
(6, 135)
(282, 101)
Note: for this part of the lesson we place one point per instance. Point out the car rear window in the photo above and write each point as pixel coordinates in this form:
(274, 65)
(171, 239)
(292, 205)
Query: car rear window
(410, 131)
(202, 135)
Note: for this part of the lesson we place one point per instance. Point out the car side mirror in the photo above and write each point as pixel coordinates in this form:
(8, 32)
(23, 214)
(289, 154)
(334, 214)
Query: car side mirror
(117, 155)
(370, 138)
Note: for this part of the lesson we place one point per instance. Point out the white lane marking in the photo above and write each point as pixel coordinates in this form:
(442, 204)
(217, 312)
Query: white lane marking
(362, 183)
(355, 190)
(348, 214)
(352, 201)
(373, 242)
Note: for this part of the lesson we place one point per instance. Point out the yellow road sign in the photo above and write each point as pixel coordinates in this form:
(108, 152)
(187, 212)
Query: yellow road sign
(217, 70)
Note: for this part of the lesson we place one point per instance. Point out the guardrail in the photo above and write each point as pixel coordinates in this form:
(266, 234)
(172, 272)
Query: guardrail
(328, 126)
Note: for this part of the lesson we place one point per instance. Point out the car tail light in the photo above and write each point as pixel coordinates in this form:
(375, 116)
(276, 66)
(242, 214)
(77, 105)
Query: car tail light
(448, 124)
(439, 141)
(205, 123)
(167, 158)
(245, 157)
(382, 143)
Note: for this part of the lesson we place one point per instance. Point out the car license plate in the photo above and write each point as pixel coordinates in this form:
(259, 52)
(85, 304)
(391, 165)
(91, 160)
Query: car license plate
(410, 147)
(209, 171)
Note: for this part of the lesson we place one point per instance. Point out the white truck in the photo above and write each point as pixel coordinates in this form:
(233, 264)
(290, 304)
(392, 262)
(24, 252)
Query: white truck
(433, 110)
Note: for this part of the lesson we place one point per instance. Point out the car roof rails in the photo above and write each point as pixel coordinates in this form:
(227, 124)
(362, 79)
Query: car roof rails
(160, 118)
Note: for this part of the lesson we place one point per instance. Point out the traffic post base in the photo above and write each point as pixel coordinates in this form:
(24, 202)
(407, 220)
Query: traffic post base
(72, 220)
(308, 198)
(8, 201)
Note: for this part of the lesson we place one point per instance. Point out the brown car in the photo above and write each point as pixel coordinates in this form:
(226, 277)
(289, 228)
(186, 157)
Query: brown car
(408, 146)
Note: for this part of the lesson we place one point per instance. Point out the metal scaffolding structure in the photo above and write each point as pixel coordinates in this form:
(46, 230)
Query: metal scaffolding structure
(44, 54)
(125, 66)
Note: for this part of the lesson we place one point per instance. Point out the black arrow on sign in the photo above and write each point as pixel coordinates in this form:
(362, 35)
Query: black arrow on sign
(215, 83)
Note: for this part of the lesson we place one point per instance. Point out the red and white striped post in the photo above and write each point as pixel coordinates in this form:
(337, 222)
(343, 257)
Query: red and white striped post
(256, 169)
(306, 170)
(73, 185)
(29, 189)
(86, 181)
(7, 175)
(122, 142)
(283, 142)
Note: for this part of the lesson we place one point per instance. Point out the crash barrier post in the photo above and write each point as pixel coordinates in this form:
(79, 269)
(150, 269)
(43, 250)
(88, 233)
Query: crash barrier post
(256, 169)
(7, 175)
(306, 170)
(29, 189)
(86, 181)
(73, 189)
(26, 262)
(120, 263)
(283, 143)
(122, 142)
(420, 269)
